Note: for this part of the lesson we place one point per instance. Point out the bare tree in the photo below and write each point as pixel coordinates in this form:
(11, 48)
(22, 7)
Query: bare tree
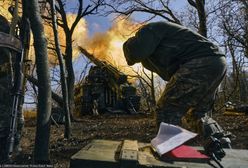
(81, 10)
(156, 8)
(67, 132)
(146, 84)
(41, 150)
(234, 25)
(199, 5)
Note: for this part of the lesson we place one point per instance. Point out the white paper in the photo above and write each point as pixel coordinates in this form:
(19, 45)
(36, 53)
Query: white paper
(169, 137)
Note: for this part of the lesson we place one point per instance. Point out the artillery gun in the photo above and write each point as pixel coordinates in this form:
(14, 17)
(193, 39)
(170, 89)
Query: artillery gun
(105, 89)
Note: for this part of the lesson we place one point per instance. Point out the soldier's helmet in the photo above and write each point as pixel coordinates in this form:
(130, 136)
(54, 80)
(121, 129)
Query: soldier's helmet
(4, 24)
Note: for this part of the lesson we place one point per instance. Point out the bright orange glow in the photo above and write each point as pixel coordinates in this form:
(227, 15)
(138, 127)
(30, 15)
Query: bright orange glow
(107, 46)
(4, 5)
(79, 34)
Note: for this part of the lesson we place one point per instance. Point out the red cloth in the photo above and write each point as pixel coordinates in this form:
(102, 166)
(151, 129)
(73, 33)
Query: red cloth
(185, 153)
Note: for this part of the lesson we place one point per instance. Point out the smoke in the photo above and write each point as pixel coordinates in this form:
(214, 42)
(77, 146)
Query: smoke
(4, 5)
(107, 46)
(79, 34)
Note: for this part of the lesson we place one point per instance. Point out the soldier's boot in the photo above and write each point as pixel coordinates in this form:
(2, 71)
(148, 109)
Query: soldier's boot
(215, 138)
(204, 125)
(212, 128)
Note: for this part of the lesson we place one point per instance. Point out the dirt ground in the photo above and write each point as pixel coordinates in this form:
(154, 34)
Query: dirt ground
(114, 127)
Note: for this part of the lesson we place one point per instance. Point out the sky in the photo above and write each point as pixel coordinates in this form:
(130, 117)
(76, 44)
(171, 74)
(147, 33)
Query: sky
(97, 23)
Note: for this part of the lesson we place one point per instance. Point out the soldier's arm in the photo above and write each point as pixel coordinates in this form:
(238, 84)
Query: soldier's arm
(141, 46)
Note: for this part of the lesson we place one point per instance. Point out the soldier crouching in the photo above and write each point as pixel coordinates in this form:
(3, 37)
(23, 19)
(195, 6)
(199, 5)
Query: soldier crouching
(193, 66)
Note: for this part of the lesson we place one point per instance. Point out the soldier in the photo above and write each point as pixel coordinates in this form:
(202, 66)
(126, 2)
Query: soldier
(192, 65)
(6, 84)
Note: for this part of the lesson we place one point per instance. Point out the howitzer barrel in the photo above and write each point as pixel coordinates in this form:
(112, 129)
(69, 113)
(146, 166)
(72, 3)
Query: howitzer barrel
(117, 75)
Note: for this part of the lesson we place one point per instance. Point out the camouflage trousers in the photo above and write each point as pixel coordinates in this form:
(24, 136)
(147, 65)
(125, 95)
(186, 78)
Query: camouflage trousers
(191, 90)
(5, 104)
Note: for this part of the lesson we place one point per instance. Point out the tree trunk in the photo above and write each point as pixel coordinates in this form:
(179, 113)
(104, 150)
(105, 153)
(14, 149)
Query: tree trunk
(153, 90)
(200, 4)
(246, 27)
(41, 149)
(67, 132)
(236, 69)
(70, 71)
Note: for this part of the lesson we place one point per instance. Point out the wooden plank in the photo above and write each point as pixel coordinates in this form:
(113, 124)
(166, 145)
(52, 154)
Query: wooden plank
(130, 145)
(97, 154)
(129, 154)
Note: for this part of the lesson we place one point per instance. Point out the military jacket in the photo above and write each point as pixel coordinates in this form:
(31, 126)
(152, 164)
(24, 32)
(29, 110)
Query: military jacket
(162, 47)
